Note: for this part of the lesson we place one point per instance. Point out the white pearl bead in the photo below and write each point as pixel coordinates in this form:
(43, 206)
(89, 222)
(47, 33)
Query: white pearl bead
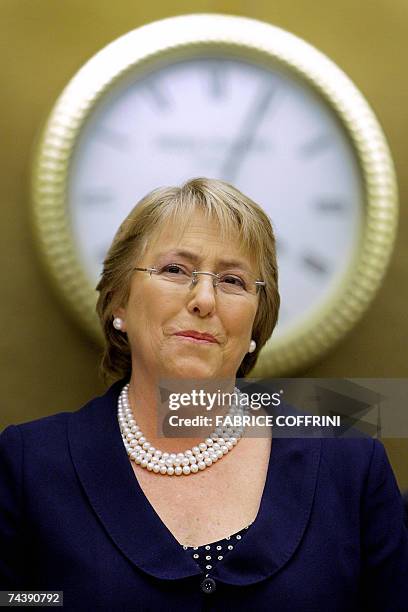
(156, 468)
(186, 469)
(163, 469)
(202, 446)
(208, 461)
(194, 468)
(170, 471)
(195, 450)
(201, 465)
(178, 471)
(224, 449)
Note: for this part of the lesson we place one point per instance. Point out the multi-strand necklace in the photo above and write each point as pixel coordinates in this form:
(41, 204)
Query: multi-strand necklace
(139, 449)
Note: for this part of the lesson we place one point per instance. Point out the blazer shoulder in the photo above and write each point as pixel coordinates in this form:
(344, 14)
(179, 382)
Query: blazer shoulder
(354, 449)
(37, 427)
(352, 456)
(42, 433)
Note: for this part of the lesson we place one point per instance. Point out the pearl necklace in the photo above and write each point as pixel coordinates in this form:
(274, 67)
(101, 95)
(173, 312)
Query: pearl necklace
(220, 442)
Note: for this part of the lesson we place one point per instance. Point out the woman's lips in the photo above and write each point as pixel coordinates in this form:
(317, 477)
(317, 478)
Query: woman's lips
(190, 338)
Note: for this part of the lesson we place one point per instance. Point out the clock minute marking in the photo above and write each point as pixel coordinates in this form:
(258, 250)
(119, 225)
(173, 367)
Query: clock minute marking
(315, 146)
(330, 206)
(97, 196)
(157, 95)
(217, 79)
(314, 263)
(112, 138)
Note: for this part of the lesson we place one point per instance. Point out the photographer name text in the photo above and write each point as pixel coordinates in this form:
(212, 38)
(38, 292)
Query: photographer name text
(251, 420)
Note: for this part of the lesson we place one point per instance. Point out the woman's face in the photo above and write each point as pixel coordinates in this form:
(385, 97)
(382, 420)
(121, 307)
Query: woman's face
(157, 310)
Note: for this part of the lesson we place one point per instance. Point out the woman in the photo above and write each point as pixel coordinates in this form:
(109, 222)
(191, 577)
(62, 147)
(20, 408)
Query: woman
(97, 504)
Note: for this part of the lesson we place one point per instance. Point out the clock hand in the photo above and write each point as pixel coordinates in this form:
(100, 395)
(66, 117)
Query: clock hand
(246, 136)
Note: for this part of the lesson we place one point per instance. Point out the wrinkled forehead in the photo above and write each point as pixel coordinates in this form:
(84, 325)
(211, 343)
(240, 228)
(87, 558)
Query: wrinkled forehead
(201, 235)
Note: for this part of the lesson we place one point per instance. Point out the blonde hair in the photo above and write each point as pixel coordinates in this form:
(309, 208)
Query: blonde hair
(237, 216)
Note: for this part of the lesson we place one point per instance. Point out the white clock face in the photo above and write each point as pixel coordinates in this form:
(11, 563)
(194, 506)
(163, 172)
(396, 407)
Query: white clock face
(265, 132)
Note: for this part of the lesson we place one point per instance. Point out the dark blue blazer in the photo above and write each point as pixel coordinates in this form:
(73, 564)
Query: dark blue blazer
(329, 535)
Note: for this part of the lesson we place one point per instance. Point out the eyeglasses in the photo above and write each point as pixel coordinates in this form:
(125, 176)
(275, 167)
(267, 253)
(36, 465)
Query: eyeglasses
(180, 275)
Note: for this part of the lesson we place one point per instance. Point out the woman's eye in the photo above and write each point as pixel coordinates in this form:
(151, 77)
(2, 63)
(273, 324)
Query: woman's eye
(233, 280)
(173, 269)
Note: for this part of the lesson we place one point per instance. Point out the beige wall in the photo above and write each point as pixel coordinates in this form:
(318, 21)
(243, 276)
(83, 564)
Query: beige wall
(48, 365)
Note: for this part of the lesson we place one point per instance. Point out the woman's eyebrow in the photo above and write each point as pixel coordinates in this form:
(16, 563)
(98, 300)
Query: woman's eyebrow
(233, 263)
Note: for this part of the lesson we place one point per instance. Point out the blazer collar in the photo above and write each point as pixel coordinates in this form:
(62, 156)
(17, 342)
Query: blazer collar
(106, 474)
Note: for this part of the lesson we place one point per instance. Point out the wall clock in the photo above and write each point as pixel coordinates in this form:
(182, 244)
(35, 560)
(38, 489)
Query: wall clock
(237, 99)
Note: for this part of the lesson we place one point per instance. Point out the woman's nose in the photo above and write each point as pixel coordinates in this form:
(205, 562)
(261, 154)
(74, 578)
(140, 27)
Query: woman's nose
(202, 294)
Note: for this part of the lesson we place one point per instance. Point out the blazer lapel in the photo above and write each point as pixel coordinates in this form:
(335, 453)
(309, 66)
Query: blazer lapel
(105, 472)
(283, 515)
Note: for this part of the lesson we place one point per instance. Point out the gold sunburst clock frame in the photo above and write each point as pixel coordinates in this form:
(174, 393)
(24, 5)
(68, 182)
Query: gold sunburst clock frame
(189, 36)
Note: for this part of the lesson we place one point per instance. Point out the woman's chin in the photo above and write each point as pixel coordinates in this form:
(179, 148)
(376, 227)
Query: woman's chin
(191, 370)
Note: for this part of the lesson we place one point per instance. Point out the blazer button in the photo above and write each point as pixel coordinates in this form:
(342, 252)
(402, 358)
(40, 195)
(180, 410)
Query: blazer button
(208, 585)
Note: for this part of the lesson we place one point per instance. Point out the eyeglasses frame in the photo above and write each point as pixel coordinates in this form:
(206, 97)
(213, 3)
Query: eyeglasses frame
(258, 283)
